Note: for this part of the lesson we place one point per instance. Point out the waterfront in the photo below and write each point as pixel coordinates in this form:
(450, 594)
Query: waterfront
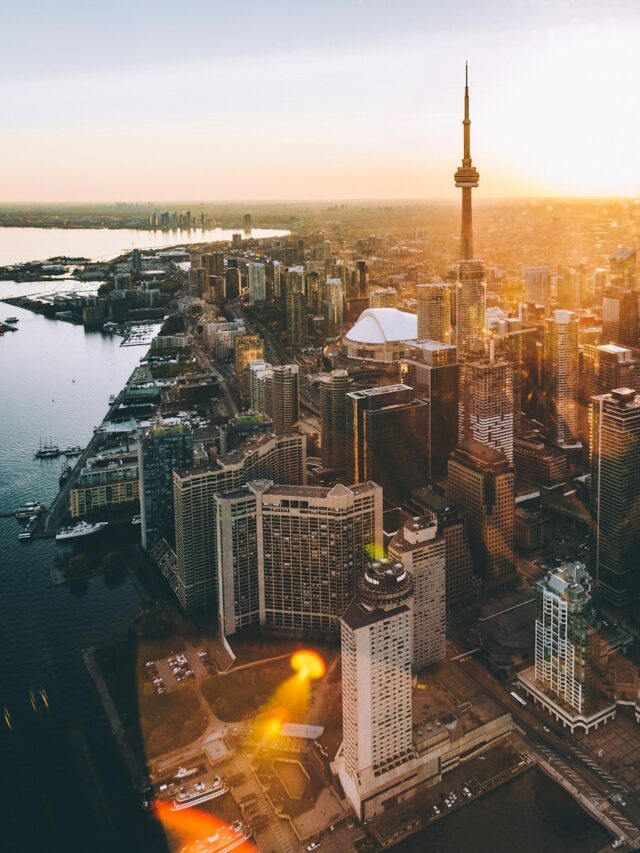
(20, 245)
(533, 813)
(65, 786)
(67, 780)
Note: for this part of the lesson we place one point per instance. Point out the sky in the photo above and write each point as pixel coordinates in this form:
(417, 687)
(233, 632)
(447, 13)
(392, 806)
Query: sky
(316, 99)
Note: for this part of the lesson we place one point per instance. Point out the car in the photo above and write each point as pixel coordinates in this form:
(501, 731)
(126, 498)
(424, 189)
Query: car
(313, 845)
(350, 824)
(447, 803)
(546, 728)
(436, 810)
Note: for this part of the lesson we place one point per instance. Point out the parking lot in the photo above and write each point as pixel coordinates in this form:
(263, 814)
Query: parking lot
(191, 664)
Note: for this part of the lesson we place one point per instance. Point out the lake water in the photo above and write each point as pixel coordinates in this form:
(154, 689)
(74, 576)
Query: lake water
(65, 787)
(18, 245)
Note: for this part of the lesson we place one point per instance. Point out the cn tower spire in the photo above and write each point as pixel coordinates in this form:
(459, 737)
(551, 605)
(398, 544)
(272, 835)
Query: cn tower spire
(466, 178)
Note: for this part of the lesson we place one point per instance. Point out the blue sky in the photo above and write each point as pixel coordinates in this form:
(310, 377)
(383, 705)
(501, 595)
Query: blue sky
(341, 98)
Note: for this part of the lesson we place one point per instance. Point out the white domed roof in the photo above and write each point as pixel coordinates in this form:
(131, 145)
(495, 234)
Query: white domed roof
(379, 325)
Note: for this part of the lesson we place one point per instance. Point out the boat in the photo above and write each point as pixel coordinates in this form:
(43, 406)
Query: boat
(137, 519)
(82, 528)
(12, 320)
(225, 839)
(30, 509)
(200, 792)
(47, 450)
(28, 529)
(72, 450)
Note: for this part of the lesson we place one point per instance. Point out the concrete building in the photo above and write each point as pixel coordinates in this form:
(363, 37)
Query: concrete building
(561, 376)
(105, 485)
(221, 336)
(288, 556)
(275, 391)
(376, 643)
(536, 462)
(462, 587)
(564, 680)
(431, 369)
(280, 458)
(614, 446)
(333, 390)
(603, 368)
(486, 403)
(242, 427)
(481, 482)
(434, 312)
(386, 439)
(422, 551)
(161, 449)
(383, 297)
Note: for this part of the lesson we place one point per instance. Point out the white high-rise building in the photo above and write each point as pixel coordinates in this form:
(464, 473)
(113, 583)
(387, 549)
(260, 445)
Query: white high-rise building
(377, 644)
(564, 679)
(257, 282)
(422, 551)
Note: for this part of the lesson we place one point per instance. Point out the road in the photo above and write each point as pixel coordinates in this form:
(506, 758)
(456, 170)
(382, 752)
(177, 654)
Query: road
(562, 751)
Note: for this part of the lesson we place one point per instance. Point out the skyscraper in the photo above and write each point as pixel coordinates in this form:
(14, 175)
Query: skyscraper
(462, 586)
(281, 458)
(362, 278)
(564, 679)
(614, 445)
(466, 178)
(386, 439)
(421, 549)
(333, 390)
(274, 391)
(433, 372)
(333, 308)
(288, 556)
(561, 376)
(161, 449)
(471, 303)
(434, 312)
(315, 544)
(620, 309)
(481, 482)
(257, 282)
(486, 403)
(537, 285)
(376, 644)
(247, 348)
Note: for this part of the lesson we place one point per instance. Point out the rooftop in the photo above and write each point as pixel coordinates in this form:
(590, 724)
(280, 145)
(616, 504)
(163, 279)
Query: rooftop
(381, 325)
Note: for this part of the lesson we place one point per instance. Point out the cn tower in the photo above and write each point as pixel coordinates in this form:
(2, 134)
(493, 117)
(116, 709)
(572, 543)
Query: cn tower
(467, 178)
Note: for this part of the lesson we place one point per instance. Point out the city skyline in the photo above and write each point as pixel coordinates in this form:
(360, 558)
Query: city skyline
(363, 103)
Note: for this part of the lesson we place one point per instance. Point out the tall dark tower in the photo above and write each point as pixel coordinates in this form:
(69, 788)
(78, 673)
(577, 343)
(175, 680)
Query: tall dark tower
(467, 178)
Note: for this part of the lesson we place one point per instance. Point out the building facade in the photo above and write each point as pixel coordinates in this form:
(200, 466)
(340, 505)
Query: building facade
(481, 482)
(422, 551)
(161, 449)
(614, 445)
(434, 312)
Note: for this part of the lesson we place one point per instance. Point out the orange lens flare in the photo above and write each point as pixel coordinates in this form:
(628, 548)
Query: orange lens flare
(308, 664)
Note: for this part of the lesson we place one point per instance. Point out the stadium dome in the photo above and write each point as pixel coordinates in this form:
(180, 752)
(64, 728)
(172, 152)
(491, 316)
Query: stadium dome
(378, 332)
